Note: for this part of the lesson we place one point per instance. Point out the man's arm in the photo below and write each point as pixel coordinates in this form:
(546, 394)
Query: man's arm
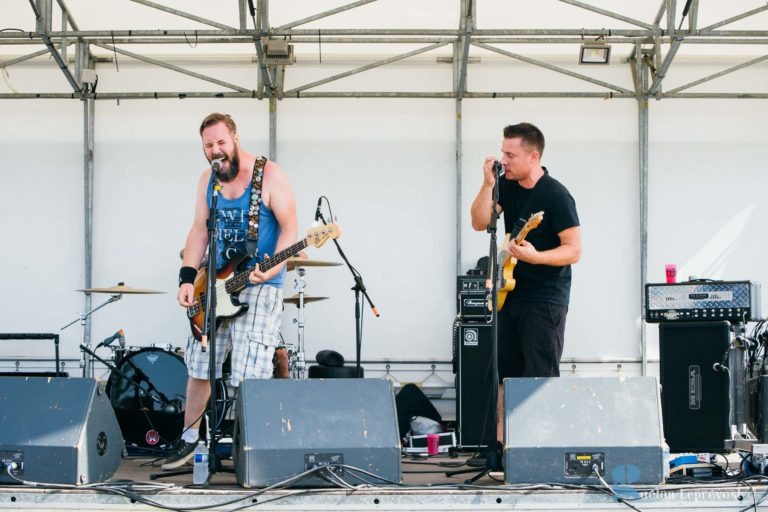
(567, 253)
(197, 239)
(483, 203)
(282, 202)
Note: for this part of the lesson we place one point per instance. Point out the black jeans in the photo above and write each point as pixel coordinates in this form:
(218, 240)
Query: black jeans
(531, 339)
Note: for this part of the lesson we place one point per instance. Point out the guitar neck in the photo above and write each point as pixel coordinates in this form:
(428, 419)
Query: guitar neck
(521, 236)
(240, 279)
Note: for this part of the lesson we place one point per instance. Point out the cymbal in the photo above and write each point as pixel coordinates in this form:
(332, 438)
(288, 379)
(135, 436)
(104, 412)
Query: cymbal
(120, 288)
(294, 299)
(295, 262)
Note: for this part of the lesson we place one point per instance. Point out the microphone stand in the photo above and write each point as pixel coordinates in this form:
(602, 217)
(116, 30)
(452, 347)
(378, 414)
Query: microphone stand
(208, 338)
(209, 333)
(358, 288)
(88, 363)
(151, 391)
(493, 455)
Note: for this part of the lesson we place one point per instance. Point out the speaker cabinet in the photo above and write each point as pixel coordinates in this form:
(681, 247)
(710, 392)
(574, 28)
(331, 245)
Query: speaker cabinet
(694, 397)
(58, 430)
(558, 429)
(286, 427)
(474, 381)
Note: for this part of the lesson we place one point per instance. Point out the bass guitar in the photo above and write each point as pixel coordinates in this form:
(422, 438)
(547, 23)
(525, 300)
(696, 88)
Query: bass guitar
(229, 282)
(506, 283)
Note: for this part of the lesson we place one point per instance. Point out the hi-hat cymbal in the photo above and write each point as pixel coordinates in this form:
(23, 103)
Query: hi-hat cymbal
(118, 289)
(294, 299)
(296, 262)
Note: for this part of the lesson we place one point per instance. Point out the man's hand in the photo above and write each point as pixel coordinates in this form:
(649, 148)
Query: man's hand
(524, 252)
(257, 276)
(186, 295)
(489, 177)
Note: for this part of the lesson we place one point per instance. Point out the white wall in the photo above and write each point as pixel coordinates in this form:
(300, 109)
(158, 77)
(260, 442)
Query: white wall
(387, 166)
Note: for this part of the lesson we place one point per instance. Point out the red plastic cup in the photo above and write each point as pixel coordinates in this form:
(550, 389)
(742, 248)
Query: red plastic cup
(671, 269)
(433, 443)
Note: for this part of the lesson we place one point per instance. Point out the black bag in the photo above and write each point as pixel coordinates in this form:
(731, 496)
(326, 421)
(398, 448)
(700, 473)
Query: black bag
(411, 401)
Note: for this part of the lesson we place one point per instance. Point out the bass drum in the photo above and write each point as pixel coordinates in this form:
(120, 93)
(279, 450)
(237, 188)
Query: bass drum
(148, 423)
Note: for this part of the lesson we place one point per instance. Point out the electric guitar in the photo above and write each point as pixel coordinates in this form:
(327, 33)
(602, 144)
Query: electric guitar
(228, 288)
(506, 283)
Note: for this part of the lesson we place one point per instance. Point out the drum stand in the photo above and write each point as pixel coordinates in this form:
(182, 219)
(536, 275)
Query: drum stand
(87, 361)
(298, 362)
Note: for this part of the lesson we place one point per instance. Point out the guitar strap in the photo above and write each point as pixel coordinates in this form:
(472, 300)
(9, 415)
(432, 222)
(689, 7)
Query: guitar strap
(253, 209)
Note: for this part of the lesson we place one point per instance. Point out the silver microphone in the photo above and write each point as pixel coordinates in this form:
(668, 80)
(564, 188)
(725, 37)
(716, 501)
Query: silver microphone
(216, 165)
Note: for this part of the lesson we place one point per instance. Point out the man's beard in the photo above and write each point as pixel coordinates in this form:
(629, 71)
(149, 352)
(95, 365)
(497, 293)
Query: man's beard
(229, 173)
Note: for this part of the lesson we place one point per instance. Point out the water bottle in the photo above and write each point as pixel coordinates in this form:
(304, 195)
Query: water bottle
(200, 468)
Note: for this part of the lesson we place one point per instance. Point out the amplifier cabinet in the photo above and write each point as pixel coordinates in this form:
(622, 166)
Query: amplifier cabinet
(474, 381)
(694, 396)
(697, 301)
(472, 303)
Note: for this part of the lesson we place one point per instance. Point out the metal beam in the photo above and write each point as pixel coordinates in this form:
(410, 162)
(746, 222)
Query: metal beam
(89, 111)
(662, 71)
(717, 75)
(747, 14)
(643, 138)
(178, 69)
(324, 14)
(44, 20)
(693, 16)
(467, 22)
(11, 62)
(608, 13)
(554, 68)
(183, 14)
(355, 71)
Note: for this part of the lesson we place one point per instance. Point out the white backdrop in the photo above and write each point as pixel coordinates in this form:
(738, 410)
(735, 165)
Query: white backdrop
(387, 165)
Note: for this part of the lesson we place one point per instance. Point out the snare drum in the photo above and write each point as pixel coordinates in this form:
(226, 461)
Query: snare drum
(147, 423)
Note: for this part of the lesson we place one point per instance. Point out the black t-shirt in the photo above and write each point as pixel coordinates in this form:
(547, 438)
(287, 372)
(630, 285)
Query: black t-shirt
(540, 283)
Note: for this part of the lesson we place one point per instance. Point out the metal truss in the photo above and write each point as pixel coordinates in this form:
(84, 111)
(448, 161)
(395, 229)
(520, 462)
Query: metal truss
(654, 45)
(652, 48)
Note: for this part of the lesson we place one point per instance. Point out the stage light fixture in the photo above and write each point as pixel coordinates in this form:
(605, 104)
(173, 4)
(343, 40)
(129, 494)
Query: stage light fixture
(595, 53)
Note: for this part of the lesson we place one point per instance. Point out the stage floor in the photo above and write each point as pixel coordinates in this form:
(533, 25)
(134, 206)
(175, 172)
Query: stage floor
(425, 486)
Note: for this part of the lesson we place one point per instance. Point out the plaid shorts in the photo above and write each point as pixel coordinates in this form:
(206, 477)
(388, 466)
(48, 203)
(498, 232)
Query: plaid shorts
(251, 337)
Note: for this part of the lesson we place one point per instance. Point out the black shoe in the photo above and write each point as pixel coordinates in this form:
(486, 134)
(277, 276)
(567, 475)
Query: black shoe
(181, 452)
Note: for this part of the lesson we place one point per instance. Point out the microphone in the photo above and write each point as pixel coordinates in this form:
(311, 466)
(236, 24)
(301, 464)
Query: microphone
(498, 169)
(317, 211)
(216, 165)
(108, 341)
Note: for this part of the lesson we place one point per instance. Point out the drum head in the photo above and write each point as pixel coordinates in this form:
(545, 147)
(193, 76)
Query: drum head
(145, 422)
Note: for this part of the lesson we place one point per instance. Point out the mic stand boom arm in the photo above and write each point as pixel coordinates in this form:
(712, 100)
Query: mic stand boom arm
(151, 391)
(358, 288)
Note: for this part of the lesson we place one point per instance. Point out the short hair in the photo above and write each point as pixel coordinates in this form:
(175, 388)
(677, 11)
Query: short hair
(215, 118)
(531, 136)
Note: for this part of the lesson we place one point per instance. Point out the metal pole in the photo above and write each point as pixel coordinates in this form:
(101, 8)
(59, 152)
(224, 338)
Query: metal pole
(89, 110)
(272, 128)
(642, 128)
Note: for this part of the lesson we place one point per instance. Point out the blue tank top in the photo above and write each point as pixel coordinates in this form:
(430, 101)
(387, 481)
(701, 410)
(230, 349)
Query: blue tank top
(232, 231)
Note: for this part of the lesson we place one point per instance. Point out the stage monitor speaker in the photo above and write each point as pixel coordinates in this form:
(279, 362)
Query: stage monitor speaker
(557, 430)
(286, 427)
(694, 396)
(474, 381)
(58, 430)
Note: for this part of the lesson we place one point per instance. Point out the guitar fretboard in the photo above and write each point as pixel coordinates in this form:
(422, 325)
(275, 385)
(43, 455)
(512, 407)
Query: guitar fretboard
(240, 279)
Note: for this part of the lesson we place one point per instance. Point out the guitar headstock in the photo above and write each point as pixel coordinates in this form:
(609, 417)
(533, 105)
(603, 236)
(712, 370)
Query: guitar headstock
(534, 220)
(321, 234)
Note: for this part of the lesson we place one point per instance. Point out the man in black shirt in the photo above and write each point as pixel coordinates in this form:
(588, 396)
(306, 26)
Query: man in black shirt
(532, 320)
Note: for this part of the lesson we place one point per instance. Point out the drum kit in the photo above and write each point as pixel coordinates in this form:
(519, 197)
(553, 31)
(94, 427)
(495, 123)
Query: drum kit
(147, 385)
